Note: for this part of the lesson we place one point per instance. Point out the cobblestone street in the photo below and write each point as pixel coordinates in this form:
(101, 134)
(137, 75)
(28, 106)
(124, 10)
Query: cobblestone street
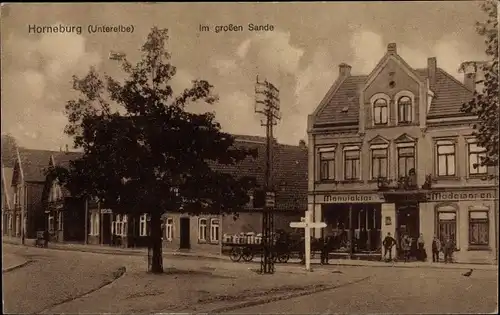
(57, 281)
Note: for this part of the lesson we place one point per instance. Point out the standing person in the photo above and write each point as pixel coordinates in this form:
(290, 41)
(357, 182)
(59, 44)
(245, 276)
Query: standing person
(448, 249)
(388, 243)
(421, 248)
(406, 246)
(325, 249)
(436, 248)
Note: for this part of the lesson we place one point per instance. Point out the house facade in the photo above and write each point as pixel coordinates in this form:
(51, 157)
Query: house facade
(33, 203)
(206, 232)
(390, 152)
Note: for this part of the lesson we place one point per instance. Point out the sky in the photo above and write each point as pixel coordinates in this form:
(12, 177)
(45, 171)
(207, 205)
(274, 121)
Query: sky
(300, 56)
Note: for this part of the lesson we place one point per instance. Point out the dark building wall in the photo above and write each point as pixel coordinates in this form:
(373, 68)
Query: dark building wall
(36, 219)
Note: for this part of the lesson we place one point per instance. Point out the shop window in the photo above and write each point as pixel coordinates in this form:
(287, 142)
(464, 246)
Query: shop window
(479, 228)
(447, 224)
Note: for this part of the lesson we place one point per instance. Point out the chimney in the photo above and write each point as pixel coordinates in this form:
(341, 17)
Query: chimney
(344, 70)
(431, 71)
(302, 144)
(469, 69)
(391, 48)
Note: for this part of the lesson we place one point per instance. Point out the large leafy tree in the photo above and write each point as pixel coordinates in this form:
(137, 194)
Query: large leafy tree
(485, 103)
(150, 155)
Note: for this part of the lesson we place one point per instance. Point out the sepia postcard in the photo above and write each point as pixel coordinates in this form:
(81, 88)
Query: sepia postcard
(250, 158)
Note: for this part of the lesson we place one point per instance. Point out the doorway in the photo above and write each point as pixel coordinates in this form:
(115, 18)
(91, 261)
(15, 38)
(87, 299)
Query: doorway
(106, 229)
(408, 222)
(185, 242)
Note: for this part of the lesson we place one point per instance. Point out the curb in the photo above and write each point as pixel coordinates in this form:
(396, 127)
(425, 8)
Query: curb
(16, 266)
(457, 266)
(279, 298)
(117, 274)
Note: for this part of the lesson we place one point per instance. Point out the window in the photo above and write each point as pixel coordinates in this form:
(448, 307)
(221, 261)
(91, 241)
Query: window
(143, 225)
(10, 223)
(479, 228)
(169, 231)
(124, 225)
(118, 225)
(214, 230)
(447, 224)
(250, 198)
(380, 112)
(60, 222)
(351, 163)
(17, 197)
(476, 154)
(445, 158)
(18, 224)
(202, 229)
(406, 160)
(94, 223)
(51, 223)
(379, 162)
(327, 163)
(404, 109)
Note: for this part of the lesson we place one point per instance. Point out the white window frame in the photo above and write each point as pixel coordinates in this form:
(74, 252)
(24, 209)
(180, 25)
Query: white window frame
(50, 223)
(446, 142)
(214, 230)
(375, 98)
(169, 229)
(412, 111)
(124, 225)
(406, 145)
(327, 149)
(384, 119)
(60, 220)
(202, 236)
(485, 221)
(480, 151)
(379, 147)
(143, 225)
(344, 160)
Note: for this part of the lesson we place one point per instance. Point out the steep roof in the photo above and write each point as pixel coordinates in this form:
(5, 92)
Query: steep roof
(34, 163)
(449, 93)
(289, 169)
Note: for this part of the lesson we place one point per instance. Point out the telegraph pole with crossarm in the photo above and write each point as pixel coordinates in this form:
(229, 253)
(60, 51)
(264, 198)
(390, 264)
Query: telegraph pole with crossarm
(267, 103)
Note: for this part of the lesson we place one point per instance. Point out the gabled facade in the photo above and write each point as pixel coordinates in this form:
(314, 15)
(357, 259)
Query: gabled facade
(391, 152)
(35, 203)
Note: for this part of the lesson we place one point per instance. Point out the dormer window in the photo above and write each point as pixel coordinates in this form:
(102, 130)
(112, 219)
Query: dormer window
(404, 109)
(380, 111)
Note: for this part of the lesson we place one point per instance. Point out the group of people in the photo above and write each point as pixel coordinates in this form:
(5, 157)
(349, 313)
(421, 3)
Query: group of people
(407, 247)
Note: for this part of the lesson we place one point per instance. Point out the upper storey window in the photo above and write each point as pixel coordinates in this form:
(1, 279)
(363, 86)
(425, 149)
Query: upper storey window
(404, 109)
(380, 112)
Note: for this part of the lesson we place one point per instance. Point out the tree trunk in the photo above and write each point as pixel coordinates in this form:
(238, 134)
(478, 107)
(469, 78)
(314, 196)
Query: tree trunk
(156, 243)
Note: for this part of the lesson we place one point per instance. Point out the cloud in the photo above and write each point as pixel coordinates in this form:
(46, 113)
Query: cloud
(36, 83)
(235, 112)
(243, 48)
(182, 80)
(224, 66)
(367, 47)
(272, 50)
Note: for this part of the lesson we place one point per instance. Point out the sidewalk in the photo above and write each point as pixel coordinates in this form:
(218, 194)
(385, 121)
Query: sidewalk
(12, 261)
(104, 249)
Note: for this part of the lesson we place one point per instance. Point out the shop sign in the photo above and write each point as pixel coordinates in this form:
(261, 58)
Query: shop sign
(463, 195)
(350, 198)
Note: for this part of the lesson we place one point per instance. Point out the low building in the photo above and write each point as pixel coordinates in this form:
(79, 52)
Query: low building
(391, 152)
(206, 232)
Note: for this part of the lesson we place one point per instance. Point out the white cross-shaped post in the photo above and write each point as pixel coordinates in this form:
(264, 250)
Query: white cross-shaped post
(307, 225)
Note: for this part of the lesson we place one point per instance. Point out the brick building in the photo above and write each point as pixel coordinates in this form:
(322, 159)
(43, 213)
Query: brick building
(390, 151)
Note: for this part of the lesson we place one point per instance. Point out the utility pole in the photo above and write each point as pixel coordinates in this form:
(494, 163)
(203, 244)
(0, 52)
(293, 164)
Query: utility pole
(267, 104)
